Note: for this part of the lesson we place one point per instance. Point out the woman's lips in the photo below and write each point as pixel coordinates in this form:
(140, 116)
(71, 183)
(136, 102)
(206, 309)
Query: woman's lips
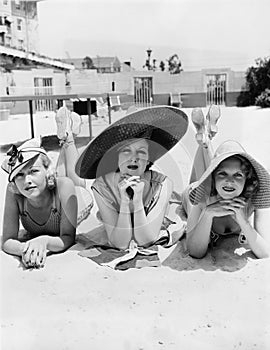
(29, 188)
(228, 189)
(132, 167)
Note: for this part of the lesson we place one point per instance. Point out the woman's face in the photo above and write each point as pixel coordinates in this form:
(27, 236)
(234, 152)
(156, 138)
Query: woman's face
(230, 178)
(133, 158)
(31, 180)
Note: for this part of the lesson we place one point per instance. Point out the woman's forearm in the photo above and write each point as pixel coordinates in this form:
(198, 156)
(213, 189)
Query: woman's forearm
(198, 237)
(259, 246)
(58, 244)
(121, 234)
(13, 247)
(144, 232)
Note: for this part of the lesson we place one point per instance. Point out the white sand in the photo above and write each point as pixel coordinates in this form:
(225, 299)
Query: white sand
(75, 304)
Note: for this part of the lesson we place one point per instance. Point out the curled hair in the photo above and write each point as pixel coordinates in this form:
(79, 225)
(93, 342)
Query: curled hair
(251, 184)
(50, 177)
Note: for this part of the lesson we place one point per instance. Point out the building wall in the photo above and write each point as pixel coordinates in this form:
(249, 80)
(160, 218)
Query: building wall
(23, 84)
(191, 85)
(23, 36)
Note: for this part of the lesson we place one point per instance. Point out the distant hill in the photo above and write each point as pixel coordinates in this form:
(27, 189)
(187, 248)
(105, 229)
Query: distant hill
(192, 59)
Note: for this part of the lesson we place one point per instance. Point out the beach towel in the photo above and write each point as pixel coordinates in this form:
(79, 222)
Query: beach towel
(95, 247)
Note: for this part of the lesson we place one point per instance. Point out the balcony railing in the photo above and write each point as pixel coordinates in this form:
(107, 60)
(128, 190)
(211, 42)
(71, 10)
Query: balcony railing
(35, 57)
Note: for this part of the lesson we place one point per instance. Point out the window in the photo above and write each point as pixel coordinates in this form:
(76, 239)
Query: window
(113, 86)
(19, 24)
(20, 42)
(5, 2)
(17, 4)
(7, 41)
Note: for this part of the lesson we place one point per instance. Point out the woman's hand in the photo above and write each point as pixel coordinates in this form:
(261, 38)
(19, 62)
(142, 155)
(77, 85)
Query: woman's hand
(35, 252)
(238, 206)
(130, 188)
(219, 209)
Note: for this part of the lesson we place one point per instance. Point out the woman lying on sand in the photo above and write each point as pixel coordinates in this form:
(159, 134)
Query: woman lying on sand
(134, 201)
(231, 197)
(45, 204)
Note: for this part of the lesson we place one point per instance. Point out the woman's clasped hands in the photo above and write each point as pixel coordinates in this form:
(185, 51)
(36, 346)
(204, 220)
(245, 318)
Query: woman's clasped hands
(131, 188)
(236, 207)
(35, 252)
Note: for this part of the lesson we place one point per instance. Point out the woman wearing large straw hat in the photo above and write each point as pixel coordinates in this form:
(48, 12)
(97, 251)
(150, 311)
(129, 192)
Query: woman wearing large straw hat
(231, 197)
(132, 199)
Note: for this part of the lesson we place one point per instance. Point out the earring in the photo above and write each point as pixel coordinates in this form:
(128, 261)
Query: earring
(51, 180)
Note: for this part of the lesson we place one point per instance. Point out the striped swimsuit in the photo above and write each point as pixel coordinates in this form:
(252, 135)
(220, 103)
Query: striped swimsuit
(51, 226)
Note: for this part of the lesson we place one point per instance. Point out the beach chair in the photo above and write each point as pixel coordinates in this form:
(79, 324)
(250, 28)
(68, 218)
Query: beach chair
(175, 99)
(115, 103)
(102, 107)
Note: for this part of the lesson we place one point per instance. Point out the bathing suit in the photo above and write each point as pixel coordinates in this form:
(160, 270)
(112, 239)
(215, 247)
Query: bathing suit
(51, 226)
(102, 186)
(171, 221)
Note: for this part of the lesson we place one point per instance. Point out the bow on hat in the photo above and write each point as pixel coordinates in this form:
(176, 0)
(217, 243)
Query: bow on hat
(17, 158)
(15, 155)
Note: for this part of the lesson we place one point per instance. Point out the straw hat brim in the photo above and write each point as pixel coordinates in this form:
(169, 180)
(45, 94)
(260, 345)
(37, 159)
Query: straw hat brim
(164, 125)
(200, 189)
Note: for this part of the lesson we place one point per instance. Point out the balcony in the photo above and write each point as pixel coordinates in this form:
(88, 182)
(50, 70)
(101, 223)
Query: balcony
(10, 51)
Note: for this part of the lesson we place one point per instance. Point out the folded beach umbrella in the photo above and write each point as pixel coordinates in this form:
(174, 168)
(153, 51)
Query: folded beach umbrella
(162, 126)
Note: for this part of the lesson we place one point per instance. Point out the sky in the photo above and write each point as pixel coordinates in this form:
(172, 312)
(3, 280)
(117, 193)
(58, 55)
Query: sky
(204, 33)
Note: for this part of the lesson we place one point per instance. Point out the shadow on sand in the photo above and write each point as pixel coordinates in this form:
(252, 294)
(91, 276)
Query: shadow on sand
(228, 255)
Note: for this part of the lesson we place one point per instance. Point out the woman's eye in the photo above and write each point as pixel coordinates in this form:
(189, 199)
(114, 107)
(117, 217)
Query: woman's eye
(239, 176)
(221, 173)
(19, 175)
(125, 150)
(33, 171)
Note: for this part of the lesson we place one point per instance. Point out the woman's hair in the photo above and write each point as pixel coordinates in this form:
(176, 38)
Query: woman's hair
(50, 176)
(251, 183)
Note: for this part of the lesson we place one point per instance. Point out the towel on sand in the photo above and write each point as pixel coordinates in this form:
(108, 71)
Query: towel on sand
(95, 247)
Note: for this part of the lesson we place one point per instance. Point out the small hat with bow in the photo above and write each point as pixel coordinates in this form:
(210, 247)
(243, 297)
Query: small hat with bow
(17, 157)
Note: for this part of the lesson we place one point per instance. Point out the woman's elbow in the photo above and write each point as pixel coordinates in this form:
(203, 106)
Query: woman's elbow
(195, 251)
(197, 254)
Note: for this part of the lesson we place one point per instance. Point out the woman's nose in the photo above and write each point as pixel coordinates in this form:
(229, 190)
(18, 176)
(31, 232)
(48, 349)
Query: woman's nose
(134, 157)
(230, 179)
(28, 179)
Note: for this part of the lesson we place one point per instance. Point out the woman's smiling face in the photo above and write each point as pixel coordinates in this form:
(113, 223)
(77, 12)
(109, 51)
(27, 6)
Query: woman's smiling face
(230, 178)
(133, 157)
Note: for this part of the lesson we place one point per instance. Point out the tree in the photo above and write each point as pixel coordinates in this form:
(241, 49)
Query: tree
(87, 63)
(257, 82)
(162, 66)
(175, 65)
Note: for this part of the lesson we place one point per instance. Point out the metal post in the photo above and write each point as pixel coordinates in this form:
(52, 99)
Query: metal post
(109, 108)
(31, 118)
(89, 117)
(60, 103)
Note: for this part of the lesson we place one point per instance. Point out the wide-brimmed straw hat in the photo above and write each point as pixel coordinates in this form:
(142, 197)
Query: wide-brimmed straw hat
(17, 158)
(201, 189)
(162, 126)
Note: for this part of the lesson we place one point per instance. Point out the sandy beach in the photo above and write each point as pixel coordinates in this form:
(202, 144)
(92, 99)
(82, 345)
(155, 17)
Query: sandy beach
(221, 302)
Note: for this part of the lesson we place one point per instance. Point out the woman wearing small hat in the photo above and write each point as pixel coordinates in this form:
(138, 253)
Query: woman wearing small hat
(132, 199)
(44, 204)
(232, 196)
